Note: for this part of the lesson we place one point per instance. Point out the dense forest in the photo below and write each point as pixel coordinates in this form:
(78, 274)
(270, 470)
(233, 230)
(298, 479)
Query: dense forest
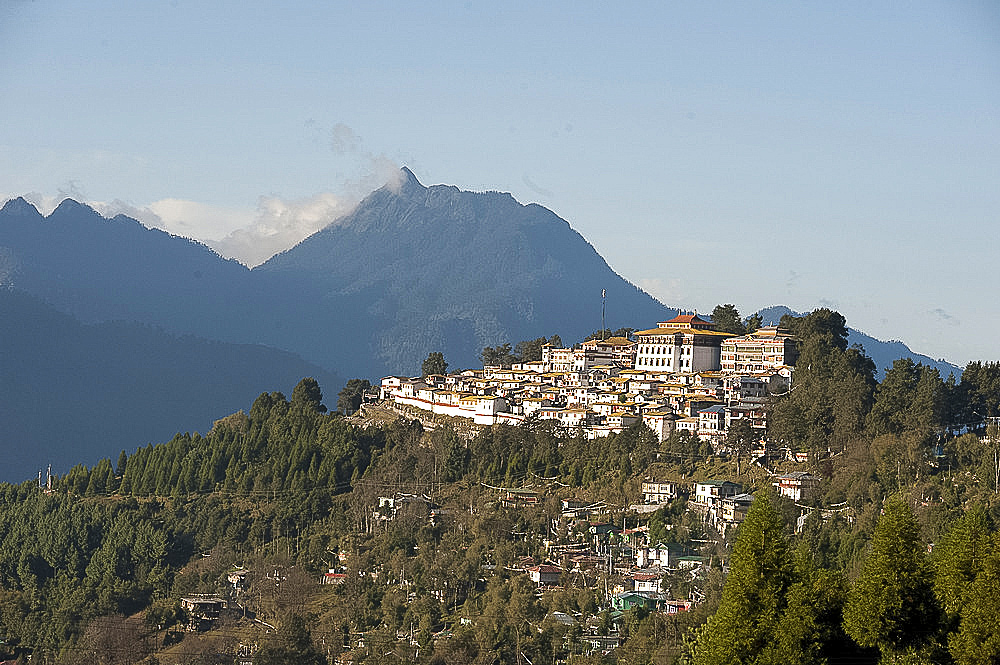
(896, 560)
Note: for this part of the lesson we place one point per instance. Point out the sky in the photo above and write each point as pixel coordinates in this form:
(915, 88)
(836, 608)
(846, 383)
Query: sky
(842, 155)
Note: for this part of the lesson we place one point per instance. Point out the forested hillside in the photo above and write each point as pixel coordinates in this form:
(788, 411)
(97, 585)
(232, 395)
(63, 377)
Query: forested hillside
(428, 539)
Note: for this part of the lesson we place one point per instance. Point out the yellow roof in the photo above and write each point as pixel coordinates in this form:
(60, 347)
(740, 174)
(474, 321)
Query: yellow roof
(685, 331)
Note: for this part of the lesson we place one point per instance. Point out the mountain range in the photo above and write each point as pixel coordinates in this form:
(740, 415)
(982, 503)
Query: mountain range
(411, 270)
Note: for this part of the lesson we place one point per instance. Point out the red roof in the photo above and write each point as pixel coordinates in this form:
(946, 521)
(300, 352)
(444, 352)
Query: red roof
(688, 321)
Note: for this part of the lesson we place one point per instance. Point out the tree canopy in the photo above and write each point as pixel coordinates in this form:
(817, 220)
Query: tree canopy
(892, 604)
(350, 396)
(727, 319)
(434, 364)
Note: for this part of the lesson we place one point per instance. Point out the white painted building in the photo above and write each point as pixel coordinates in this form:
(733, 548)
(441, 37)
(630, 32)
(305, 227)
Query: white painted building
(767, 348)
(711, 492)
(654, 491)
(686, 343)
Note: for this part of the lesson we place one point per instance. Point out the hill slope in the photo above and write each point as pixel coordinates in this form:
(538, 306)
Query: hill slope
(73, 393)
(101, 269)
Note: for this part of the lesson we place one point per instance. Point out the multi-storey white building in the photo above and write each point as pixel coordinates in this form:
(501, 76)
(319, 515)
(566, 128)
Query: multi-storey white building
(654, 491)
(685, 343)
(618, 351)
(768, 348)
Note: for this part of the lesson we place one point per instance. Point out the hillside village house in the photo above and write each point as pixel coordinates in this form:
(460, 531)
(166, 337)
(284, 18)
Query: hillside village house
(712, 423)
(658, 492)
(656, 555)
(734, 508)
(661, 422)
(544, 575)
(645, 581)
(797, 486)
(711, 492)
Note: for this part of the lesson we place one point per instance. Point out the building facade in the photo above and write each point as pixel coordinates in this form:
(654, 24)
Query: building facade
(768, 348)
(686, 343)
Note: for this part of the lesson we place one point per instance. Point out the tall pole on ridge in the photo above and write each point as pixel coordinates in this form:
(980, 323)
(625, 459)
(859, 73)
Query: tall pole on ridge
(604, 294)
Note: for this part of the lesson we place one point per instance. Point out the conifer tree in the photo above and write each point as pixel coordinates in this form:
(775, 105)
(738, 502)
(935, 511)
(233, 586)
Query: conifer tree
(960, 557)
(307, 395)
(978, 637)
(892, 605)
(761, 572)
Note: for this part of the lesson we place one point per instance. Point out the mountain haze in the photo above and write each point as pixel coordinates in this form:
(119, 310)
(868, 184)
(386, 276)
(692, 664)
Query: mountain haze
(882, 353)
(100, 269)
(72, 393)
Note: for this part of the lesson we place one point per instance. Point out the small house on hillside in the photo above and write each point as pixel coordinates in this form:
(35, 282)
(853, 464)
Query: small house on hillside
(657, 492)
(797, 486)
(734, 508)
(711, 492)
(202, 610)
(544, 575)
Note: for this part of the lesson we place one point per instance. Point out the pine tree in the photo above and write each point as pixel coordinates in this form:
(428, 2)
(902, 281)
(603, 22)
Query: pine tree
(760, 574)
(892, 605)
(959, 558)
(978, 637)
(308, 396)
(434, 364)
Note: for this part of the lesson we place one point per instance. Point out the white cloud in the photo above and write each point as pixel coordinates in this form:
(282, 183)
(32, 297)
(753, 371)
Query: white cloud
(248, 235)
(344, 140)
(667, 291)
(252, 235)
(200, 221)
(280, 224)
(46, 204)
(190, 219)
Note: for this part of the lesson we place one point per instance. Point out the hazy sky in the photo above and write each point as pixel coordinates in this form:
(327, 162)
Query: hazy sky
(800, 153)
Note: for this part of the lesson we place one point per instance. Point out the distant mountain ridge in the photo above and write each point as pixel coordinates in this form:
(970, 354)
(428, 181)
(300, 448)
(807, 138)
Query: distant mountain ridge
(72, 393)
(883, 353)
(411, 270)
(456, 271)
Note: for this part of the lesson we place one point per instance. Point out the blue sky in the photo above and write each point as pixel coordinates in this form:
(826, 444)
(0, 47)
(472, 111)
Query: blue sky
(807, 154)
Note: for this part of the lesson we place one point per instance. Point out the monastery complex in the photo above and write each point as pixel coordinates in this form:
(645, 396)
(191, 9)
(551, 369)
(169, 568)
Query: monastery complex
(681, 375)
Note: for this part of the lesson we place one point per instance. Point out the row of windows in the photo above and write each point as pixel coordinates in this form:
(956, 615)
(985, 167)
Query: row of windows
(651, 362)
(664, 350)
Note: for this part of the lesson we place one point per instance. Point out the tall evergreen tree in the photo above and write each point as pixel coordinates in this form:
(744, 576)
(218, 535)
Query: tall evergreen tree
(307, 395)
(755, 596)
(727, 319)
(959, 558)
(349, 398)
(892, 605)
(978, 637)
(833, 386)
